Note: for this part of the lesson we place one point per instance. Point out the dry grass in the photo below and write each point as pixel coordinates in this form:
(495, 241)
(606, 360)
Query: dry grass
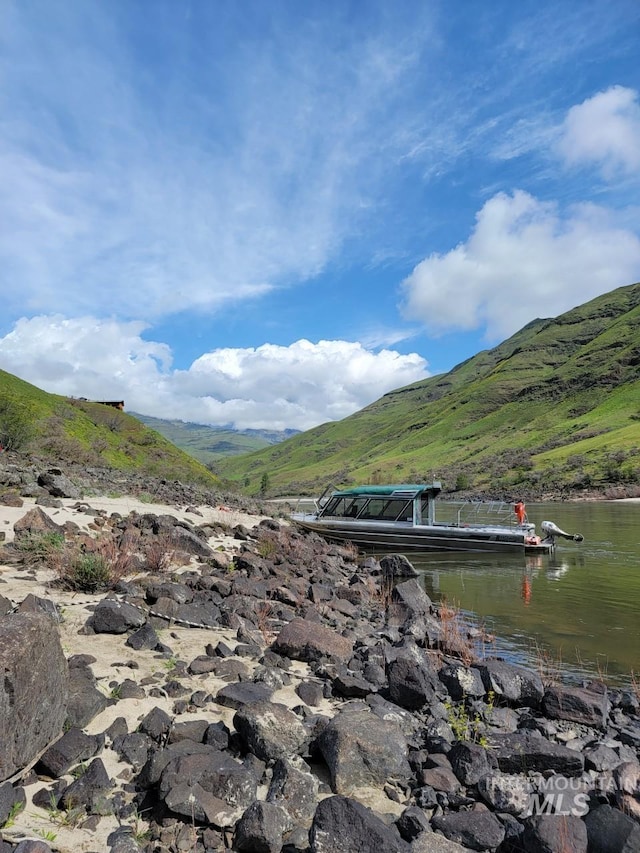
(263, 614)
(96, 567)
(159, 553)
(635, 684)
(455, 633)
(548, 664)
(380, 595)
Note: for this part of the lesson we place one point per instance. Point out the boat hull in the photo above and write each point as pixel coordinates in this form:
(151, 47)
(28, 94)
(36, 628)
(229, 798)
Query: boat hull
(409, 537)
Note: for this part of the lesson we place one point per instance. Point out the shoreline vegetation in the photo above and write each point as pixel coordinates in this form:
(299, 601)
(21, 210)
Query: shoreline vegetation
(232, 683)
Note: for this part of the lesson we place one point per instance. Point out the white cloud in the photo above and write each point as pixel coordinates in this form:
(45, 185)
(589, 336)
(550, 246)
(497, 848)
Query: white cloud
(271, 387)
(178, 187)
(604, 131)
(524, 259)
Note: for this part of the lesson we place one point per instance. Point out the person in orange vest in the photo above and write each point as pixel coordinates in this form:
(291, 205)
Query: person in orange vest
(520, 511)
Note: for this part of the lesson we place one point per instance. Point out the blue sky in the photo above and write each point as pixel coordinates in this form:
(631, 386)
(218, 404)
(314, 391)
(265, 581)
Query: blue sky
(268, 214)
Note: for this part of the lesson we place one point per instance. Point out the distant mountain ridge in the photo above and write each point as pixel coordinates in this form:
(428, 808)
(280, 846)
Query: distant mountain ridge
(209, 444)
(553, 410)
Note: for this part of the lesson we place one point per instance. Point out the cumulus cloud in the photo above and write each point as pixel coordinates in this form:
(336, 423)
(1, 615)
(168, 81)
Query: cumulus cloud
(604, 131)
(524, 259)
(269, 387)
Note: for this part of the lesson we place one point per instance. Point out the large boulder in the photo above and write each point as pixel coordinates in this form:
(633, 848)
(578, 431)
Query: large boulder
(576, 704)
(295, 790)
(208, 786)
(513, 683)
(611, 831)
(58, 484)
(304, 640)
(36, 522)
(116, 617)
(34, 689)
(412, 681)
(260, 829)
(524, 752)
(477, 830)
(554, 832)
(270, 730)
(342, 825)
(362, 751)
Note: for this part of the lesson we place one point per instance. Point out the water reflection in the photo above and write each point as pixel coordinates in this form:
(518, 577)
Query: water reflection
(580, 606)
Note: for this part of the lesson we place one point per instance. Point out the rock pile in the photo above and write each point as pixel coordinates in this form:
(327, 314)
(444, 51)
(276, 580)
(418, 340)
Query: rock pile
(352, 716)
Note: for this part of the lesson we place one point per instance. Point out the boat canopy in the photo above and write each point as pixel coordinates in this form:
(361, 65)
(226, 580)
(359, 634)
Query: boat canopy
(405, 490)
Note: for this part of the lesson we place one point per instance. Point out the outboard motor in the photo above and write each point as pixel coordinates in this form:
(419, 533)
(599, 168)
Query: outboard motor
(552, 532)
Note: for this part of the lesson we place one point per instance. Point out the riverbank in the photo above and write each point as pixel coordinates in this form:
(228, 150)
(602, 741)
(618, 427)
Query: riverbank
(340, 707)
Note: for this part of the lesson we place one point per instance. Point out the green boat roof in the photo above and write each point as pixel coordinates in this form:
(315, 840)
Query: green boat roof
(400, 488)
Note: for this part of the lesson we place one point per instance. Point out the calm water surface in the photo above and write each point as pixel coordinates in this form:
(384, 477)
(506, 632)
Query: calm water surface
(578, 608)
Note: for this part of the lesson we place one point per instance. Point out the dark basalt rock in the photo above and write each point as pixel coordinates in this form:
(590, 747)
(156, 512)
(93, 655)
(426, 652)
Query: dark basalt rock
(295, 790)
(577, 704)
(58, 484)
(396, 566)
(34, 689)
(156, 724)
(85, 700)
(89, 791)
(144, 638)
(513, 683)
(469, 762)
(342, 825)
(244, 693)
(134, 748)
(611, 831)
(412, 683)
(554, 834)
(11, 798)
(116, 617)
(461, 681)
(33, 522)
(523, 752)
(477, 830)
(73, 747)
(270, 730)
(208, 786)
(260, 829)
(362, 750)
(303, 640)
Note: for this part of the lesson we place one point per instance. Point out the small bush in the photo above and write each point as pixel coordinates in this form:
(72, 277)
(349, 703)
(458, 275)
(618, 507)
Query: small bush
(93, 571)
(16, 425)
(40, 547)
(89, 573)
(267, 547)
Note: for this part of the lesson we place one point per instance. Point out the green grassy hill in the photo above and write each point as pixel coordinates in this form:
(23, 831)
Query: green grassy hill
(64, 430)
(554, 409)
(210, 444)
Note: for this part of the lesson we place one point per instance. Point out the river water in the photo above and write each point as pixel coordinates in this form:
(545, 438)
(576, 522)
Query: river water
(576, 610)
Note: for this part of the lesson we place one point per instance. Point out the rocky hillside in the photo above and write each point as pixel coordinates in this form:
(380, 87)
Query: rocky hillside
(553, 411)
(87, 437)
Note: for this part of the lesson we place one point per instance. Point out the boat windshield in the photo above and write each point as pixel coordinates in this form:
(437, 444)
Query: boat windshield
(381, 508)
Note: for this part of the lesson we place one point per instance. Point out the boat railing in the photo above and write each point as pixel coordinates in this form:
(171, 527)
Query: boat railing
(476, 513)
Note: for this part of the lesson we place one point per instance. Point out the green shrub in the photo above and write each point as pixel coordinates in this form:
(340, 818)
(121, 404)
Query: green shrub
(88, 573)
(16, 428)
(40, 547)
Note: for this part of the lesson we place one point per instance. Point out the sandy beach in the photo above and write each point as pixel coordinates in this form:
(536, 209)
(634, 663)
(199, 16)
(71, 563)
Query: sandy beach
(115, 662)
